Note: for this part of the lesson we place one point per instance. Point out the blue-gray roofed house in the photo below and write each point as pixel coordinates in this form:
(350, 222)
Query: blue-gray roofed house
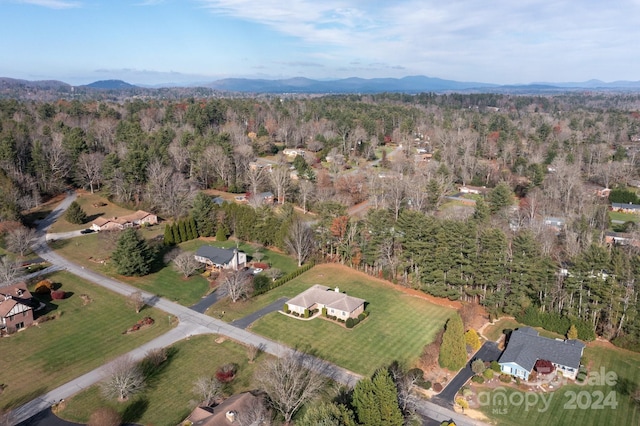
(625, 208)
(219, 258)
(526, 347)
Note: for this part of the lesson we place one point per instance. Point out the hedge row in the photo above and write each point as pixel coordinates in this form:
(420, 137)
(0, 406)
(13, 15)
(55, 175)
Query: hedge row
(557, 323)
(283, 280)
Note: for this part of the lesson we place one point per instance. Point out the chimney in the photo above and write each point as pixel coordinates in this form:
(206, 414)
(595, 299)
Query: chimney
(231, 416)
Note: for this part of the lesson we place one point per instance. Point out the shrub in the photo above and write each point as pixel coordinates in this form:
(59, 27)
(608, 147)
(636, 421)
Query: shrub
(285, 308)
(58, 295)
(425, 384)
(488, 374)
(505, 378)
(462, 403)
(105, 416)
(261, 284)
(226, 373)
(43, 287)
(437, 387)
(495, 366)
(350, 323)
(324, 312)
(466, 392)
(477, 379)
(306, 313)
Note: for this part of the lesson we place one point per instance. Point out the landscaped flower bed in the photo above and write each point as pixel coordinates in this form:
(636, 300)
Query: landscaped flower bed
(143, 323)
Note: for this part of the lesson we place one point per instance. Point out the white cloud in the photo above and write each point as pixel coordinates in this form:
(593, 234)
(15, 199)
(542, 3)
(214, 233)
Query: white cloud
(502, 39)
(53, 4)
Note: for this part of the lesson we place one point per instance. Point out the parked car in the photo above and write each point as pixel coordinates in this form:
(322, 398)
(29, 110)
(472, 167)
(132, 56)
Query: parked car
(87, 231)
(256, 271)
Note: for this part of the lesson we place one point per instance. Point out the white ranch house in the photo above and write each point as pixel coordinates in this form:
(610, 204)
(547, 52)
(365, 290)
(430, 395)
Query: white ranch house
(318, 296)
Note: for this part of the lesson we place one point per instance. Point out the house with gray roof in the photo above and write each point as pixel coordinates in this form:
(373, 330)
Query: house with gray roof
(337, 304)
(219, 258)
(525, 347)
(625, 208)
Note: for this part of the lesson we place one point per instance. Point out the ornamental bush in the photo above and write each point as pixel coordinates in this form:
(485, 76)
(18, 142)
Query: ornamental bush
(350, 323)
(58, 295)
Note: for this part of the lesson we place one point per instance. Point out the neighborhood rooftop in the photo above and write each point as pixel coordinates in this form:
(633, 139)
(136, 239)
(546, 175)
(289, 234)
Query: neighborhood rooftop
(525, 347)
(218, 256)
(328, 297)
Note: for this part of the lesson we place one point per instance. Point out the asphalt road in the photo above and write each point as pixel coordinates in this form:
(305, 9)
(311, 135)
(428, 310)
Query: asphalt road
(488, 352)
(190, 323)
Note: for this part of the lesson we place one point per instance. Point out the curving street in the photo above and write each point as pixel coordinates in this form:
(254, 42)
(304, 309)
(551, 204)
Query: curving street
(191, 322)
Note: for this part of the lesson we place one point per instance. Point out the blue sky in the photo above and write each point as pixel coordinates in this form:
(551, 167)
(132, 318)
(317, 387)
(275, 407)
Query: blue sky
(164, 41)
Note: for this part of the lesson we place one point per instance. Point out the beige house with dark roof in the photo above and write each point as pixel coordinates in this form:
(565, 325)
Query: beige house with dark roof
(118, 223)
(319, 296)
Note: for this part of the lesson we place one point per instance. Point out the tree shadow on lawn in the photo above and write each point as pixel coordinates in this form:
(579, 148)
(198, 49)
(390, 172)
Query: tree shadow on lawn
(152, 370)
(23, 399)
(135, 410)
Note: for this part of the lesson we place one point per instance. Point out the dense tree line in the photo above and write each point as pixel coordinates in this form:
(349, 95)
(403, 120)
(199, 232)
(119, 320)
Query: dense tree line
(549, 151)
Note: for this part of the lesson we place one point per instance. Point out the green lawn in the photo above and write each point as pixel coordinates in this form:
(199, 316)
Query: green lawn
(168, 396)
(275, 260)
(84, 337)
(90, 250)
(624, 217)
(494, 331)
(583, 410)
(398, 328)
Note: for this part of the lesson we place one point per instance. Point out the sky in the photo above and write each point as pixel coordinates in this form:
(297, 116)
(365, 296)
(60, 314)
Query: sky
(197, 41)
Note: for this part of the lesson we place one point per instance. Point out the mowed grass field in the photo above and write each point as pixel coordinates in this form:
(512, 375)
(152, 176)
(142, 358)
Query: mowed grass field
(168, 397)
(397, 329)
(93, 249)
(584, 409)
(494, 331)
(84, 337)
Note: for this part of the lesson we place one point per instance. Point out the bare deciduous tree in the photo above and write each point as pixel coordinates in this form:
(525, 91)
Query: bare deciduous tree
(253, 351)
(236, 285)
(9, 270)
(207, 389)
(305, 190)
(168, 190)
(300, 240)
(257, 413)
(289, 384)
(90, 168)
(186, 264)
(19, 240)
(280, 180)
(137, 301)
(124, 379)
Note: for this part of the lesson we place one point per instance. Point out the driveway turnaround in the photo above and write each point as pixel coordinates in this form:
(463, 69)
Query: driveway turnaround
(488, 352)
(251, 318)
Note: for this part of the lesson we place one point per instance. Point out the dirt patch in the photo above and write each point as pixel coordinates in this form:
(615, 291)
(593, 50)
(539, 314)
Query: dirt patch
(412, 292)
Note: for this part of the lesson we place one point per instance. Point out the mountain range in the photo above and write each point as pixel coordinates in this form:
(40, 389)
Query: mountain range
(301, 85)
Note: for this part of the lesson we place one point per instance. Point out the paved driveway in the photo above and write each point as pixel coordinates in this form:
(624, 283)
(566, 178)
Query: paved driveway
(249, 319)
(488, 352)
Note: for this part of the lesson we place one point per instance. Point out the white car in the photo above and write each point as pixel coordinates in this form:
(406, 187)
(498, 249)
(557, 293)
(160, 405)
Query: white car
(256, 271)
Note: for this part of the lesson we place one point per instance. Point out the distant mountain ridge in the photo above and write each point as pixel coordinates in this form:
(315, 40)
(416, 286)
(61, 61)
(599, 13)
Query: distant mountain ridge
(111, 85)
(301, 85)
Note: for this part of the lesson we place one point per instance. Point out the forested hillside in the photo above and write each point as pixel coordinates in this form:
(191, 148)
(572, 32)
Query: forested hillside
(538, 157)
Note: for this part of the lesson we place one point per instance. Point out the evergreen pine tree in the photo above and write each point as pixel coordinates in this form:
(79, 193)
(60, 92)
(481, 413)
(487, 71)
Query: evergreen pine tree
(168, 236)
(203, 214)
(182, 229)
(176, 233)
(132, 256)
(193, 227)
(453, 353)
(221, 233)
(376, 401)
(75, 214)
